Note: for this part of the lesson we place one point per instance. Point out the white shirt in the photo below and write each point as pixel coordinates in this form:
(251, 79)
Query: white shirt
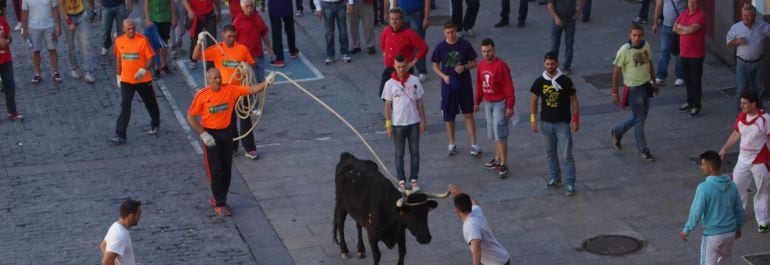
(753, 137)
(404, 100)
(755, 39)
(476, 227)
(119, 242)
(40, 13)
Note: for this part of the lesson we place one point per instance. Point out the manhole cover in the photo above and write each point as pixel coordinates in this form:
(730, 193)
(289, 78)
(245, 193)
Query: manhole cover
(612, 245)
(438, 20)
(759, 259)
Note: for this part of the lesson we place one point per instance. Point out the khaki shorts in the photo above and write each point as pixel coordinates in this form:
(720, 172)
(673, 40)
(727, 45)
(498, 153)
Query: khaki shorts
(42, 38)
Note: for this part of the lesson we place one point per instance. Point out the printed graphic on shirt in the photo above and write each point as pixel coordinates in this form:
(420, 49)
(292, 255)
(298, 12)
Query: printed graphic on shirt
(230, 64)
(131, 56)
(486, 86)
(218, 108)
(452, 59)
(641, 58)
(550, 96)
(73, 7)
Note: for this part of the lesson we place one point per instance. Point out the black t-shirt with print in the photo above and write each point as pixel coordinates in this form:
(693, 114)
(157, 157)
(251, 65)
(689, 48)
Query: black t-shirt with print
(555, 104)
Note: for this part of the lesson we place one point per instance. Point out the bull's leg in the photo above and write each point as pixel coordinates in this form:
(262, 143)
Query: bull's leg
(402, 246)
(339, 229)
(373, 245)
(361, 249)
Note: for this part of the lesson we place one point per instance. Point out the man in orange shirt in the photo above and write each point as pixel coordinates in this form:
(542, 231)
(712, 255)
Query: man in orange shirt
(214, 104)
(227, 62)
(133, 57)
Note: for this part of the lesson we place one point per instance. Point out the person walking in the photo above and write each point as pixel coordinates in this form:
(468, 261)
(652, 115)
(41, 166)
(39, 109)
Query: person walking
(485, 249)
(280, 17)
(362, 13)
(666, 12)
(334, 12)
(505, 11)
(495, 87)
(634, 60)
(42, 25)
(465, 24)
(405, 119)
(75, 18)
(644, 12)
(564, 14)
(748, 37)
(133, 58)
(399, 39)
(559, 116)
(6, 71)
(203, 15)
(161, 14)
(717, 205)
(453, 60)
(114, 12)
(752, 129)
(415, 14)
(691, 27)
(117, 246)
(214, 105)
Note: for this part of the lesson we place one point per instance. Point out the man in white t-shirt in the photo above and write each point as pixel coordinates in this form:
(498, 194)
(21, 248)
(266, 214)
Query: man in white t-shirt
(404, 118)
(117, 247)
(41, 23)
(484, 246)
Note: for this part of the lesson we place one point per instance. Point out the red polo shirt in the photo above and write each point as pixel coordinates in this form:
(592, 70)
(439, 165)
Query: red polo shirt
(692, 45)
(404, 41)
(5, 32)
(250, 31)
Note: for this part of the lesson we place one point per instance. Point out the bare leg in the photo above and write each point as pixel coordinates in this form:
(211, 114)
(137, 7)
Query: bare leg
(54, 60)
(450, 131)
(36, 61)
(470, 125)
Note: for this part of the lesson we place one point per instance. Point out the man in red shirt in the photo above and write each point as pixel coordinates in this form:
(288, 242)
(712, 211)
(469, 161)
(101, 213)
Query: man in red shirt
(252, 32)
(204, 15)
(6, 70)
(399, 39)
(691, 27)
(495, 86)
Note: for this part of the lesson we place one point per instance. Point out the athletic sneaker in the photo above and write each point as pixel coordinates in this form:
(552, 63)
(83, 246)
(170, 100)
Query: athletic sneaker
(694, 112)
(103, 52)
(294, 54)
(328, 60)
(452, 149)
(660, 81)
(89, 78)
(277, 63)
(57, 77)
(503, 173)
(639, 20)
(153, 130)
(36, 79)
(415, 185)
(422, 77)
(252, 155)
(647, 156)
(470, 33)
(15, 117)
(615, 141)
(762, 228)
(570, 190)
(402, 185)
(299, 13)
(74, 73)
(492, 164)
(684, 108)
(552, 184)
(346, 58)
(679, 82)
(117, 140)
(475, 150)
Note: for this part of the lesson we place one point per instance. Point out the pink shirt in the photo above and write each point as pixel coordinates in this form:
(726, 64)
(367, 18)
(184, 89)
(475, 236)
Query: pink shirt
(692, 45)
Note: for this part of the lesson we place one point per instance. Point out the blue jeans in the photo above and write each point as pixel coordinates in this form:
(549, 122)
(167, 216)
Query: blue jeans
(82, 31)
(335, 13)
(558, 140)
(745, 72)
(112, 14)
(568, 27)
(414, 21)
(401, 134)
(639, 101)
(259, 68)
(666, 39)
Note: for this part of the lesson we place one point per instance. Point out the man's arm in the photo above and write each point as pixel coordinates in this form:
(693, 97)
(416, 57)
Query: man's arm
(437, 69)
(388, 122)
(56, 18)
(146, 10)
(696, 212)
(196, 55)
(254, 89)
(109, 258)
(194, 124)
(615, 77)
(734, 137)
(686, 30)
(421, 111)
(533, 112)
(656, 16)
(24, 23)
(218, 9)
(552, 11)
(129, 7)
(476, 249)
(426, 18)
(575, 113)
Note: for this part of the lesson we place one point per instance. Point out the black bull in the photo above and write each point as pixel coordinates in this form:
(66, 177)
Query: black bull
(375, 204)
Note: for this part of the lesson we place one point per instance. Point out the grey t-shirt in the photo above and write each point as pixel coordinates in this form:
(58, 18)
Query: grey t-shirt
(565, 9)
(669, 13)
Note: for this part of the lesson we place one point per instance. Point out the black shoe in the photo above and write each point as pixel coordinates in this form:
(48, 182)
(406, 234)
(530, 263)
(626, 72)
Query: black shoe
(586, 19)
(521, 24)
(647, 156)
(684, 108)
(503, 173)
(615, 141)
(355, 50)
(501, 24)
(117, 140)
(372, 51)
(694, 112)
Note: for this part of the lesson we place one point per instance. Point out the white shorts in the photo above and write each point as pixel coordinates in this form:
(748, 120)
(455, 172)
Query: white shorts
(42, 38)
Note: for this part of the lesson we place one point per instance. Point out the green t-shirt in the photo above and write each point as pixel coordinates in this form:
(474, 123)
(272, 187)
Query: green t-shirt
(160, 10)
(635, 64)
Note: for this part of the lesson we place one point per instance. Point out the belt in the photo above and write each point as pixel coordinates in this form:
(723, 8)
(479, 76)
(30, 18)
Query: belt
(75, 15)
(752, 61)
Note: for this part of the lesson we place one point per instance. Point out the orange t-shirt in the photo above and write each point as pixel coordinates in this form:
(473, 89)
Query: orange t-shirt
(134, 54)
(216, 107)
(227, 63)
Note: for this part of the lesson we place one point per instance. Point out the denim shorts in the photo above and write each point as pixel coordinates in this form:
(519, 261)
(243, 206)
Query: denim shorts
(497, 123)
(42, 38)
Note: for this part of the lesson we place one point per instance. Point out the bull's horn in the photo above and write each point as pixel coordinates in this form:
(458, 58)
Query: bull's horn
(438, 196)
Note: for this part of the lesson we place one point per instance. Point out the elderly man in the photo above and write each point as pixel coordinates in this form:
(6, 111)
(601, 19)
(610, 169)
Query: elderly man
(691, 27)
(748, 38)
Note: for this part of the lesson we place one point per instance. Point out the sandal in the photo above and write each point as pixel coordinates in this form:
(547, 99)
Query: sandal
(36, 79)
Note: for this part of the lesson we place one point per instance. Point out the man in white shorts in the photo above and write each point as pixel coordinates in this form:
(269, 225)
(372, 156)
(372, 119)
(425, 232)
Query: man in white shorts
(41, 23)
(116, 246)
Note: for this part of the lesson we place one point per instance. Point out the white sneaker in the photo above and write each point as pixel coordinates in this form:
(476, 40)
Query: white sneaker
(74, 73)
(89, 78)
(475, 150)
(299, 13)
(423, 77)
(452, 149)
(460, 34)
(346, 58)
(660, 81)
(18, 26)
(470, 33)
(679, 82)
(256, 112)
(104, 51)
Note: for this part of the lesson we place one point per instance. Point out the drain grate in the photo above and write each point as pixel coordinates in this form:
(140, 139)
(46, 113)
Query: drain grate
(758, 259)
(612, 245)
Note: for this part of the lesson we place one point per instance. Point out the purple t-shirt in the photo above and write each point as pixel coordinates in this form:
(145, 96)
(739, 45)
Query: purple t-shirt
(280, 8)
(447, 56)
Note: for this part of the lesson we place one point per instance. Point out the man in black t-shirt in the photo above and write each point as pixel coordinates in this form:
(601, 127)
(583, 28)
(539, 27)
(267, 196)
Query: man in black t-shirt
(559, 100)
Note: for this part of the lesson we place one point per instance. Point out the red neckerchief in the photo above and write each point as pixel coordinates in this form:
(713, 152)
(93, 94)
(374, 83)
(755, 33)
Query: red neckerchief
(763, 157)
(402, 81)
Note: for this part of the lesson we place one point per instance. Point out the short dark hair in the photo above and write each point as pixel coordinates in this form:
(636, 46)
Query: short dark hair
(463, 202)
(449, 24)
(488, 42)
(750, 95)
(551, 56)
(636, 26)
(228, 28)
(396, 10)
(129, 206)
(712, 157)
(400, 58)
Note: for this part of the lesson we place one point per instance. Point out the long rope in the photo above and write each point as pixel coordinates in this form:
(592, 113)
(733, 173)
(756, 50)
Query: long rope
(245, 106)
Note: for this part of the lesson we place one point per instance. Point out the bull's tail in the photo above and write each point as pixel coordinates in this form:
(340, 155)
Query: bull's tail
(334, 227)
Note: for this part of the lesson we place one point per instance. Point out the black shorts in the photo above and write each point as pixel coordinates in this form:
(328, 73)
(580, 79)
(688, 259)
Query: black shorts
(457, 102)
(164, 30)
